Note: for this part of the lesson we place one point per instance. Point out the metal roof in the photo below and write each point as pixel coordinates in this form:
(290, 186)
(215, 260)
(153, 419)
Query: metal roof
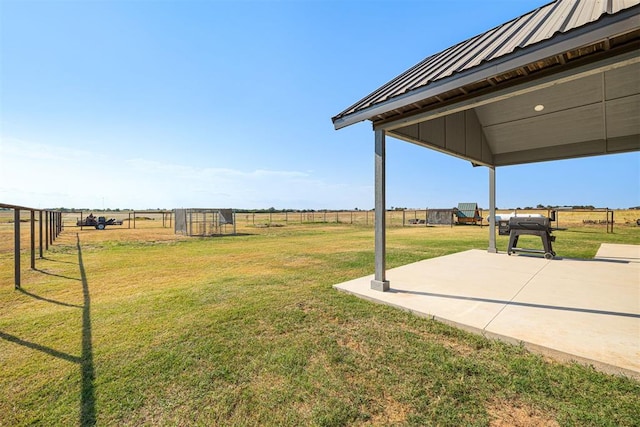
(543, 24)
(467, 210)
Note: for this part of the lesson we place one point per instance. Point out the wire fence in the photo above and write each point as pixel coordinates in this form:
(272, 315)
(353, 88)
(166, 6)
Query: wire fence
(394, 218)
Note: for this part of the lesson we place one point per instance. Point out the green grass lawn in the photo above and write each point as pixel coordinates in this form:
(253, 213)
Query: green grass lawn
(247, 330)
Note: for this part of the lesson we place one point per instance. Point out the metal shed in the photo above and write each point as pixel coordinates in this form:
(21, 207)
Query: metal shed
(559, 82)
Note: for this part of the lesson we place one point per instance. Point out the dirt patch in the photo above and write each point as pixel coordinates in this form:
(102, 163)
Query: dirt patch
(505, 413)
(353, 345)
(392, 413)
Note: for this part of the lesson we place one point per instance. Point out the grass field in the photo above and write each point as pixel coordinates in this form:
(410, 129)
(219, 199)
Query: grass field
(142, 327)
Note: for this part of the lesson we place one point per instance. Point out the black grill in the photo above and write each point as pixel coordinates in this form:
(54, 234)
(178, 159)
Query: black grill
(536, 226)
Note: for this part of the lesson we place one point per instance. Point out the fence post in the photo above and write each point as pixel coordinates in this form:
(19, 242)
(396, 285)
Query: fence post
(33, 239)
(403, 217)
(16, 247)
(608, 221)
(46, 230)
(40, 233)
(51, 225)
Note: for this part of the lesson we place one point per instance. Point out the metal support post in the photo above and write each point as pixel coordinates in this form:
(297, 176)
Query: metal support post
(379, 283)
(492, 210)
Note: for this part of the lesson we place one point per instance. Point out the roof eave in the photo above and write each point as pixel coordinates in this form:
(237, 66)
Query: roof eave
(606, 27)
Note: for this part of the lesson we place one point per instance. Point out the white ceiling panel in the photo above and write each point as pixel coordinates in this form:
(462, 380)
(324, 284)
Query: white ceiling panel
(561, 128)
(622, 81)
(623, 116)
(556, 98)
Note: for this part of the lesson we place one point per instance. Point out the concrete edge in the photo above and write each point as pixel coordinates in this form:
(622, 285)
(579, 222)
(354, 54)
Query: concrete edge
(565, 358)
(556, 355)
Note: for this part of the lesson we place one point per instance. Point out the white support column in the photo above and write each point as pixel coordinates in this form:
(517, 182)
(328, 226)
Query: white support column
(492, 210)
(379, 283)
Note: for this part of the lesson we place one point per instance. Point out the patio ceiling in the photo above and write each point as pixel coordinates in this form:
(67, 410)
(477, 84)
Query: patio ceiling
(587, 115)
(569, 91)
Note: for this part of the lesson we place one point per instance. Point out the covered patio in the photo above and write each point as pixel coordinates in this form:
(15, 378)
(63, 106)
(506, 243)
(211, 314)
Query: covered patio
(560, 82)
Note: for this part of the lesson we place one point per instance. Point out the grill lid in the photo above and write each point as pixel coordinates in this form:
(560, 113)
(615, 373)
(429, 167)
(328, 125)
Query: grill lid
(529, 223)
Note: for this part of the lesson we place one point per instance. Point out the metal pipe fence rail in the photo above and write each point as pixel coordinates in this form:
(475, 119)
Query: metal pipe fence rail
(422, 217)
(398, 218)
(49, 228)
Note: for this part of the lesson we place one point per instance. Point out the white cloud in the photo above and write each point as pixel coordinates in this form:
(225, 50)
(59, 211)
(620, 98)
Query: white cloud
(41, 175)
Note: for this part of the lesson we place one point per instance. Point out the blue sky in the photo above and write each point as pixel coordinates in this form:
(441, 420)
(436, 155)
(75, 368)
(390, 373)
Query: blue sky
(164, 104)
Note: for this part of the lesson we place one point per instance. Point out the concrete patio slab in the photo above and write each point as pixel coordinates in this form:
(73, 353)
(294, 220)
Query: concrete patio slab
(611, 251)
(582, 310)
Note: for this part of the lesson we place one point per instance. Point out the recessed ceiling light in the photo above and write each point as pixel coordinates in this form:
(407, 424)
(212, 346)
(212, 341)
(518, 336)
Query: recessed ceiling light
(539, 107)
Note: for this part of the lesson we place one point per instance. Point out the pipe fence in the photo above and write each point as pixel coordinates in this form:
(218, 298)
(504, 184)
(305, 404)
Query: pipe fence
(429, 217)
(399, 218)
(122, 218)
(49, 228)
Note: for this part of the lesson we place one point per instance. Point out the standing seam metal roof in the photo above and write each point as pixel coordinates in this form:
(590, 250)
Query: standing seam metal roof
(534, 27)
(467, 210)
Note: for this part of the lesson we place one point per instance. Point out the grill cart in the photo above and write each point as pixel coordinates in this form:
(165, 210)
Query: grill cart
(536, 226)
